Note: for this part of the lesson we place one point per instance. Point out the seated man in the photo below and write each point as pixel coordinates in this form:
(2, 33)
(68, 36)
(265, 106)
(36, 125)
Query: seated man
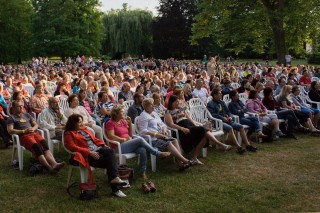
(136, 108)
(53, 119)
(25, 126)
(219, 109)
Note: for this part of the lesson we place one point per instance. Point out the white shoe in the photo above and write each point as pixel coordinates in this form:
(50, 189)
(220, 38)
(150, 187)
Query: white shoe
(126, 186)
(119, 193)
(117, 181)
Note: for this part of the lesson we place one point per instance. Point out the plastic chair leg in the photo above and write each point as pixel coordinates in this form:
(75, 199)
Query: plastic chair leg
(204, 152)
(20, 156)
(153, 163)
(84, 174)
(69, 175)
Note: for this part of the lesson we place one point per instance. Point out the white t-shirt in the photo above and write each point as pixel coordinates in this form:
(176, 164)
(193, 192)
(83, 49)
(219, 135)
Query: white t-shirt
(202, 94)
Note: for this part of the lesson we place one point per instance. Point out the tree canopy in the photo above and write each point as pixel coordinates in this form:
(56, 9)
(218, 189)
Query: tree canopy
(15, 20)
(258, 24)
(67, 27)
(127, 31)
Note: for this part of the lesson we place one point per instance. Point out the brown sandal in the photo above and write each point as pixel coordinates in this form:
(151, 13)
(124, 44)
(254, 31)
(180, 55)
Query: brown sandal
(145, 187)
(152, 186)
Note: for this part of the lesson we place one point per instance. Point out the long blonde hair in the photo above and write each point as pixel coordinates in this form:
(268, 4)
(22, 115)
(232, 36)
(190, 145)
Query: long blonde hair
(285, 92)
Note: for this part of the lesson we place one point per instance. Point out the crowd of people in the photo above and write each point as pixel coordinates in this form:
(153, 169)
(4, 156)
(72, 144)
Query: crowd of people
(279, 98)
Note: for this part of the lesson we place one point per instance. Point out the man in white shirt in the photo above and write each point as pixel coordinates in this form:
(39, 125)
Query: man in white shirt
(200, 91)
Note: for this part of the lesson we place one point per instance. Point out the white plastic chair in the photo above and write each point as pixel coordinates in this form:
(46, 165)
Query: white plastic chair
(243, 97)
(153, 158)
(126, 105)
(63, 102)
(235, 85)
(305, 97)
(315, 79)
(51, 87)
(115, 145)
(209, 99)
(116, 95)
(84, 173)
(193, 102)
(226, 99)
(17, 146)
(50, 141)
(29, 89)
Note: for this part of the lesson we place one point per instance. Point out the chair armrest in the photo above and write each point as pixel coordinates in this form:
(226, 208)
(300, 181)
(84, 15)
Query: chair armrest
(218, 123)
(235, 118)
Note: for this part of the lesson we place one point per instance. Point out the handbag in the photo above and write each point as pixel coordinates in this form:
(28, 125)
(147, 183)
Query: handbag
(126, 173)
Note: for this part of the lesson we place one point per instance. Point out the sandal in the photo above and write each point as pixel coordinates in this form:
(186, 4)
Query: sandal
(183, 167)
(145, 187)
(152, 186)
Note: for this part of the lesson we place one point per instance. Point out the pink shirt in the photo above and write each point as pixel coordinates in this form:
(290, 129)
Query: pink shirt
(121, 130)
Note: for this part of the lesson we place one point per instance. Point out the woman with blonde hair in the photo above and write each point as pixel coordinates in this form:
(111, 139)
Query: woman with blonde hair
(285, 101)
(187, 90)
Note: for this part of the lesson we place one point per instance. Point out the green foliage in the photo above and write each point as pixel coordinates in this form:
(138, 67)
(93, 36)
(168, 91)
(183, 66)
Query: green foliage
(238, 25)
(67, 27)
(172, 29)
(314, 58)
(127, 31)
(15, 19)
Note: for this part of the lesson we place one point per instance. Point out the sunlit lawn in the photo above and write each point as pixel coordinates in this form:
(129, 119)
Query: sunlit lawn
(281, 177)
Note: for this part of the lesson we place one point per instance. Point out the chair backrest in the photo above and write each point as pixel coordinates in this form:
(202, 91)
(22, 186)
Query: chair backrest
(243, 97)
(209, 99)
(51, 86)
(63, 102)
(235, 85)
(226, 99)
(195, 102)
(303, 89)
(315, 79)
(29, 89)
(116, 94)
(127, 104)
(199, 114)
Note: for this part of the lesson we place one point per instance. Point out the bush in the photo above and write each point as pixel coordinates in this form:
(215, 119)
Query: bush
(314, 58)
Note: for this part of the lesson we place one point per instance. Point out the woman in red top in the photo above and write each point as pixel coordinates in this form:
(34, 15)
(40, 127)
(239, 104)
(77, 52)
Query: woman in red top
(91, 151)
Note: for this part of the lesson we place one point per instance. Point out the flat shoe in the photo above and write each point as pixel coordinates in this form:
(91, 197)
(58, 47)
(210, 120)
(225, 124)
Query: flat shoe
(152, 186)
(145, 187)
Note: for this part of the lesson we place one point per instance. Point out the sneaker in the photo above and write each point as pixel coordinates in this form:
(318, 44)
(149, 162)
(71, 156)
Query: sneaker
(292, 136)
(119, 193)
(127, 185)
(280, 134)
(240, 150)
(117, 181)
(251, 148)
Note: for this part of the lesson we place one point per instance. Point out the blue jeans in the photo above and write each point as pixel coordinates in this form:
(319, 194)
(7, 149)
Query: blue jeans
(139, 146)
(251, 121)
(232, 125)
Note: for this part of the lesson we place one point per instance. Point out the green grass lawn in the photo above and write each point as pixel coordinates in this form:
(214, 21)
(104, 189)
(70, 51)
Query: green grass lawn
(283, 176)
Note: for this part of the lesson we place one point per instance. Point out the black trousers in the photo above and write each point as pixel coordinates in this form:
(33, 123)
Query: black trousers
(107, 161)
(3, 131)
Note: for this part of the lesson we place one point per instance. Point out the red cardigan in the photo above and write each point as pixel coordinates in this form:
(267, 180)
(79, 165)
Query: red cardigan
(76, 142)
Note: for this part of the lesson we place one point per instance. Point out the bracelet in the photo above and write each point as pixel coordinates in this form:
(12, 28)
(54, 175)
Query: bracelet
(23, 131)
(124, 139)
(154, 134)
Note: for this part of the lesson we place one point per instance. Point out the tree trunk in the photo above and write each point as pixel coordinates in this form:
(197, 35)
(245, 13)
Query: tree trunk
(275, 15)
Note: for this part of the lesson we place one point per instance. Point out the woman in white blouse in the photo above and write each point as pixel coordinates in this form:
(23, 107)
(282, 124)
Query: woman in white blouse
(87, 119)
(149, 123)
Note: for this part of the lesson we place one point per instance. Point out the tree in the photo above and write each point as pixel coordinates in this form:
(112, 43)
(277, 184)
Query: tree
(127, 31)
(67, 27)
(239, 24)
(15, 20)
(172, 29)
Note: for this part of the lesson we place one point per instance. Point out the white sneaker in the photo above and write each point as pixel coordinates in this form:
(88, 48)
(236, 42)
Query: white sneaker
(119, 193)
(117, 181)
(126, 186)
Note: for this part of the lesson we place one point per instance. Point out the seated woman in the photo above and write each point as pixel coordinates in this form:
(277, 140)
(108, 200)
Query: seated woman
(151, 124)
(25, 126)
(192, 137)
(61, 90)
(82, 96)
(87, 119)
(287, 114)
(3, 128)
(238, 108)
(313, 112)
(119, 128)
(255, 105)
(245, 87)
(91, 151)
(285, 101)
(314, 93)
(157, 106)
(17, 96)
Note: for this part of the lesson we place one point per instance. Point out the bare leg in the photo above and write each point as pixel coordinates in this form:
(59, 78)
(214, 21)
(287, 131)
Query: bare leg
(50, 159)
(213, 139)
(44, 162)
(316, 119)
(232, 138)
(244, 137)
(198, 148)
(176, 153)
